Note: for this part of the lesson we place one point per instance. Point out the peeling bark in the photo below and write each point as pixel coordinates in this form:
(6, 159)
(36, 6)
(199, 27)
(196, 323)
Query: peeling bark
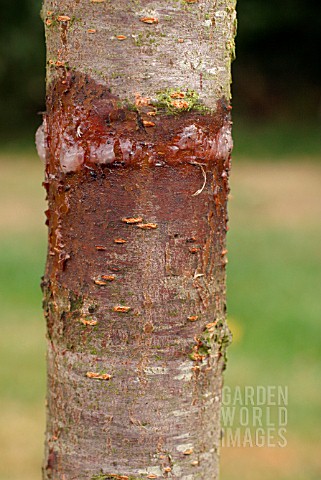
(134, 289)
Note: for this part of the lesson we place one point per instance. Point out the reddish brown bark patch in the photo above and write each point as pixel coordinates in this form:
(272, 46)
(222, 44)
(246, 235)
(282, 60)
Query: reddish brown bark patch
(88, 125)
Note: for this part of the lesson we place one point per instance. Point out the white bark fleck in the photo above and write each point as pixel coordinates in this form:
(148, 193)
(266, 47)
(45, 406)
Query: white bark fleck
(184, 446)
(183, 436)
(155, 370)
(179, 413)
(150, 470)
(186, 372)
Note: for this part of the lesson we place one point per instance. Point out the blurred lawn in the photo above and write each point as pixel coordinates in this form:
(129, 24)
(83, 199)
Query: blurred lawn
(259, 140)
(274, 306)
(274, 280)
(22, 344)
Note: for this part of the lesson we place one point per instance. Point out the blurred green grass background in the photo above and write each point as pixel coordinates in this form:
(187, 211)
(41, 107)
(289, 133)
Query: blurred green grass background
(274, 280)
(274, 310)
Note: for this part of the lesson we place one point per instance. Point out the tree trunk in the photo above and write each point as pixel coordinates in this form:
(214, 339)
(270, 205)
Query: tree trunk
(137, 142)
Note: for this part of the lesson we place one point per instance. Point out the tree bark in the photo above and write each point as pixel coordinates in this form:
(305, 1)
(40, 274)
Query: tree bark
(136, 140)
